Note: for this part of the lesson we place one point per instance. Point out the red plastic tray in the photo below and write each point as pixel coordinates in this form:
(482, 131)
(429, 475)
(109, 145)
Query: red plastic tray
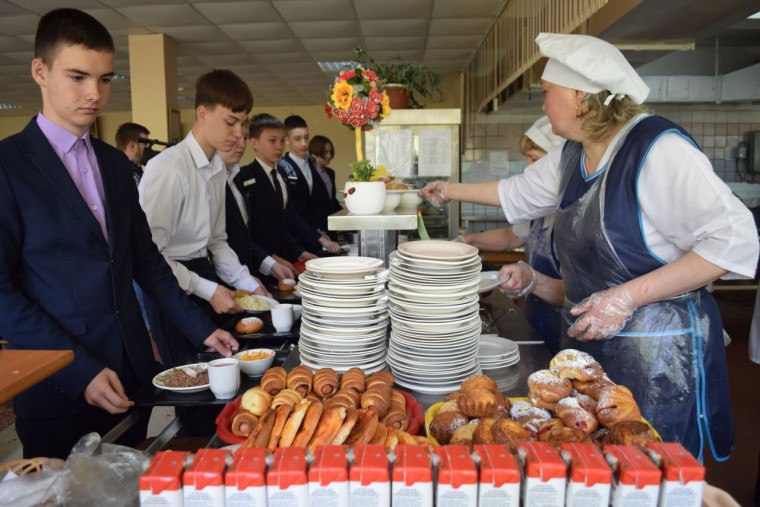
(224, 419)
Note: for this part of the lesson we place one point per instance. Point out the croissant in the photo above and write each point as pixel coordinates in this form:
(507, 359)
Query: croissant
(398, 399)
(274, 380)
(396, 418)
(575, 416)
(286, 397)
(326, 382)
(243, 423)
(378, 397)
(354, 379)
(255, 401)
(380, 377)
(347, 398)
(616, 404)
(300, 379)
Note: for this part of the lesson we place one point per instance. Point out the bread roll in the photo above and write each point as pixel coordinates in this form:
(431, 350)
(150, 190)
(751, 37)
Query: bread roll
(398, 399)
(365, 427)
(281, 415)
(309, 424)
(243, 423)
(443, 425)
(396, 418)
(575, 365)
(347, 398)
(293, 424)
(326, 382)
(346, 427)
(286, 397)
(478, 403)
(479, 382)
(249, 325)
(354, 379)
(328, 426)
(546, 386)
(300, 379)
(274, 380)
(380, 377)
(528, 415)
(255, 401)
(260, 434)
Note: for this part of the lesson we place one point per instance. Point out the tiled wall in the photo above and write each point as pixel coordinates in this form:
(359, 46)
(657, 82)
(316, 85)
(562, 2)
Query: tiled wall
(491, 153)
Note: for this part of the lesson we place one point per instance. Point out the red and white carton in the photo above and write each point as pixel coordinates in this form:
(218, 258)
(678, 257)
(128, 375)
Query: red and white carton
(287, 484)
(328, 477)
(204, 480)
(369, 478)
(683, 477)
(245, 481)
(457, 478)
(499, 477)
(161, 484)
(635, 479)
(590, 477)
(412, 477)
(544, 475)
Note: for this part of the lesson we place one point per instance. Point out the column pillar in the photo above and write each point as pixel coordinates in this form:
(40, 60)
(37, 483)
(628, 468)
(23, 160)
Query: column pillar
(153, 84)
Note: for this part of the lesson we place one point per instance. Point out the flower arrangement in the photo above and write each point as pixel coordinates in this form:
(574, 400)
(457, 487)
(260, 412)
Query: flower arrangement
(357, 99)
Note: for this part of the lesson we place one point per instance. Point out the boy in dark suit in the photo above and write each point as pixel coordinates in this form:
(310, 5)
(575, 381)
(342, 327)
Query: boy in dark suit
(266, 192)
(306, 188)
(323, 151)
(72, 238)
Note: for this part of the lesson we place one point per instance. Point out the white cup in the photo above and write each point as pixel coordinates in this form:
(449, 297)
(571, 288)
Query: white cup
(297, 312)
(224, 377)
(282, 318)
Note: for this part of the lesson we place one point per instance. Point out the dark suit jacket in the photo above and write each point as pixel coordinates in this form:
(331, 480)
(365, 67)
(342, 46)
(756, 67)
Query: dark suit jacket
(239, 235)
(63, 286)
(313, 206)
(327, 203)
(267, 216)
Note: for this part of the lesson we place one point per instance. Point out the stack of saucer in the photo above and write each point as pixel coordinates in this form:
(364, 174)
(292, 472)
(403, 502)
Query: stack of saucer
(433, 292)
(345, 313)
(495, 352)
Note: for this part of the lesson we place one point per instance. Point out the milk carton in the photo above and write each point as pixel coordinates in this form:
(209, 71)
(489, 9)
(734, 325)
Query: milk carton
(369, 478)
(499, 477)
(544, 475)
(245, 481)
(204, 480)
(590, 476)
(635, 479)
(287, 484)
(412, 477)
(161, 484)
(457, 478)
(683, 477)
(328, 477)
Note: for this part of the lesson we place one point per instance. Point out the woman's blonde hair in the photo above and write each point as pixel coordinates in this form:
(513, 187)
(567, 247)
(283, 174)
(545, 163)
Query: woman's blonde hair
(602, 121)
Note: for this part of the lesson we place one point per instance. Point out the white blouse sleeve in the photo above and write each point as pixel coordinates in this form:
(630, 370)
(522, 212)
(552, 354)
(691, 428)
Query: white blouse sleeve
(533, 193)
(686, 207)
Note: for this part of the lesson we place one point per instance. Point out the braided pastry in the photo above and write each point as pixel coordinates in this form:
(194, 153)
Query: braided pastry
(346, 398)
(286, 397)
(300, 379)
(379, 397)
(575, 365)
(575, 416)
(616, 404)
(380, 377)
(396, 418)
(255, 401)
(353, 379)
(274, 380)
(326, 382)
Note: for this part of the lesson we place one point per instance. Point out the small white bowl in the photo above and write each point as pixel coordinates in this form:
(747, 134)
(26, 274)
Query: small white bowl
(392, 199)
(254, 367)
(410, 199)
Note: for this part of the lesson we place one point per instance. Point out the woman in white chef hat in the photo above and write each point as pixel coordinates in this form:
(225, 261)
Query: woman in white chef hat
(538, 280)
(642, 224)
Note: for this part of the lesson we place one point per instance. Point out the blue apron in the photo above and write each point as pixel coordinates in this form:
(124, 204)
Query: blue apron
(671, 353)
(545, 318)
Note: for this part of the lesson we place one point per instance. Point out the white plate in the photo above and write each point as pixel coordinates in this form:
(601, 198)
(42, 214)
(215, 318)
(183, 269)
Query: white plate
(352, 303)
(194, 389)
(339, 290)
(436, 249)
(431, 287)
(493, 345)
(462, 296)
(343, 268)
(368, 368)
(272, 304)
(489, 280)
(367, 280)
(397, 259)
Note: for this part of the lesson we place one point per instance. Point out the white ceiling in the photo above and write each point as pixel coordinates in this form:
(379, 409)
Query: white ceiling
(273, 45)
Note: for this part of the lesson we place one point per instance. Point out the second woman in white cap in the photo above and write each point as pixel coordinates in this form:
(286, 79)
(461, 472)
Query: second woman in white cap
(642, 224)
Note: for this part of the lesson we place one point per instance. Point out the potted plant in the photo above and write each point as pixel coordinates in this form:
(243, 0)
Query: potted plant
(405, 81)
(362, 195)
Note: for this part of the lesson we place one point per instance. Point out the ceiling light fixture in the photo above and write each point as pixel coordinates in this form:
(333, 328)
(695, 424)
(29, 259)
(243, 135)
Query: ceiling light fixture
(337, 66)
(8, 105)
(185, 98)
(118, 77)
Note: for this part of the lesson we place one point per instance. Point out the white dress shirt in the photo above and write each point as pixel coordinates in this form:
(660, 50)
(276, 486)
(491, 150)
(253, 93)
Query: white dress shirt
(303, 165)
(182, 194)
(266, 265)
(684, 205)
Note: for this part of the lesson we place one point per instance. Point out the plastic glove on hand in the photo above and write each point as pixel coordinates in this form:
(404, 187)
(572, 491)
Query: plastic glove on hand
(517, 280)
(602, 315)
(435, 193)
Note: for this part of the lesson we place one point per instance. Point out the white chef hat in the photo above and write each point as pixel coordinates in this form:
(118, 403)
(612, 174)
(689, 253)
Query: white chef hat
(541, 134)
(585, 63)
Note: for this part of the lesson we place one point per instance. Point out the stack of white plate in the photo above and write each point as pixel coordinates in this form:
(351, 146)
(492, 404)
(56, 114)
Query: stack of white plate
(345, 313)
(495, 352)
(433, 291)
